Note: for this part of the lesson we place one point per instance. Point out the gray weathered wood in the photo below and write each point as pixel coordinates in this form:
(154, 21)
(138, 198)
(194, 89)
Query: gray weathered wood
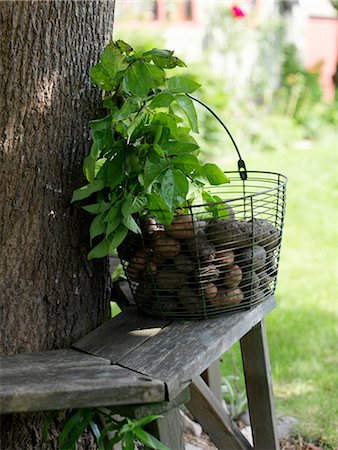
(72, 387)
(212, 376)
(182, 350)
(207, 410)
(121, 335)
(48, 360)
(139, 411)
(169, 430)
(256, 364)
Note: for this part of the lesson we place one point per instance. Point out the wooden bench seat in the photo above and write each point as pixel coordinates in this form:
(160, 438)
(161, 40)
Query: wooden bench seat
(134, 359)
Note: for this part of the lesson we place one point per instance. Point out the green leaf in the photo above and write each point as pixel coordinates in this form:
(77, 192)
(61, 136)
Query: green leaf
(141, 77)
(101, 124)
(47, 423)
(179, 84)
(189, 109)
(95, 151)
(153, 169)
(100, 250)
(89, 168)
(178, 148)
(112, 61)
(113, 218)
(112, 426)
(133, 205)
(113, 172)
(158, 150)
(97, 227)
(74, 420)
(136, 122)
(158, 207)
(117, 438)
(129, 107)
(118, 237)
(146, 420)
(78, 430)
(156, 52)
(124, 47)
(212, 173)
(101, 78)
(88, 190)
(149, 440)
(165, 120)
(187, 163)
(131, 224)
(162, 100)
(174, 188)
(128, 441)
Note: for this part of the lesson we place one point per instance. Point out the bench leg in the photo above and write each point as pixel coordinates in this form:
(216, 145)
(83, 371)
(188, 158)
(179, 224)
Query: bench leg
(213, 418)
(169, 429)
(257, 371)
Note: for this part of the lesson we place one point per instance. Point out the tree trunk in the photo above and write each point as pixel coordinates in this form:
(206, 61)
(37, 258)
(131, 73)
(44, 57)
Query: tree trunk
(50, 294)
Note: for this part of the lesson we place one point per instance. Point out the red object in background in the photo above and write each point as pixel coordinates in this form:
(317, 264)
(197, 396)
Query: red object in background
(237, 12)
(321, 49)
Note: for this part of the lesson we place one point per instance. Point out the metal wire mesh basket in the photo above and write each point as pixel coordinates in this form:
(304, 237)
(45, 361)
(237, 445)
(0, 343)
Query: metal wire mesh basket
(215, 258)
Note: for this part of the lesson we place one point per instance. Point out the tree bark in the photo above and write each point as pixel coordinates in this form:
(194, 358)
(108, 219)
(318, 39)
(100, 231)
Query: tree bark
(50, 294)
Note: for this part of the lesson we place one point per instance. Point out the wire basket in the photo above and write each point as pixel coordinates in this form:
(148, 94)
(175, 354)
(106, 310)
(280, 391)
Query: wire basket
(215, 258)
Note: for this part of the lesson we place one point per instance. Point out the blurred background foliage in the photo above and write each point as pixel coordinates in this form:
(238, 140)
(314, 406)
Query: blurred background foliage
(253, 76)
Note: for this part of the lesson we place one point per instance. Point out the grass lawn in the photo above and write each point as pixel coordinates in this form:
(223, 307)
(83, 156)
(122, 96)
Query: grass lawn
(302, 330)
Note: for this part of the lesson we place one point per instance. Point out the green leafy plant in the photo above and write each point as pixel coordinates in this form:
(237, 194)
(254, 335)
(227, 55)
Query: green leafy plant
(144, 158)
(234, 396)
(126, 430)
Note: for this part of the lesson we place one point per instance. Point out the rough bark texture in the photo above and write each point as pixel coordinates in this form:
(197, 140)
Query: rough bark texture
(50, 294)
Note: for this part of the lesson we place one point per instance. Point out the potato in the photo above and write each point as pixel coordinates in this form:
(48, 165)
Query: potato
(139, 260)
(208, 273)
(265, 234)
(224, 258)
(234, 296)
(200, 247)
(210, 290)
(183, 263)
(167, 247)
(233, 277)
(250, 281)
(182, 227)
(251, 258)
(129, 246)
(133, 274)
(227, 298)
(150, 225)
(170, 279)
(189, 299)
(228, 234)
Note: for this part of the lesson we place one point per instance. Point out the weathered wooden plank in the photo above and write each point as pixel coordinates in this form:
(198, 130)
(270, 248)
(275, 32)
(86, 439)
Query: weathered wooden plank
(121, 335)
(182, 350)
(48, 360)
(257, 371)
(139, 411)
(76, 387)
(169, 430)
(214, 420)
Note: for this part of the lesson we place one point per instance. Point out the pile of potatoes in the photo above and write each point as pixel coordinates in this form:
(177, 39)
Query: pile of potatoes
(192, 268)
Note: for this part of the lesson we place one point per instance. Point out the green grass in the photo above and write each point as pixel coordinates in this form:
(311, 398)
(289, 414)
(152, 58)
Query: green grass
(302, 330)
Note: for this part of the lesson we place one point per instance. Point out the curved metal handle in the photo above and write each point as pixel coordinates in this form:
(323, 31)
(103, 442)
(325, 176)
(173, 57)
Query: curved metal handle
(241, 164)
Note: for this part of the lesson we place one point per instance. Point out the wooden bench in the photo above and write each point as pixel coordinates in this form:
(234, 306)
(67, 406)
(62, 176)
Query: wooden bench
(144, 365)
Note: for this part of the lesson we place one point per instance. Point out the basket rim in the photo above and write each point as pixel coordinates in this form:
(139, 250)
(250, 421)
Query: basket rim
(277, 186)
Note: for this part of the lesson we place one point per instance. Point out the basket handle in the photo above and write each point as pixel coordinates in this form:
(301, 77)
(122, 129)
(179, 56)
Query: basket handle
(241, 164)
